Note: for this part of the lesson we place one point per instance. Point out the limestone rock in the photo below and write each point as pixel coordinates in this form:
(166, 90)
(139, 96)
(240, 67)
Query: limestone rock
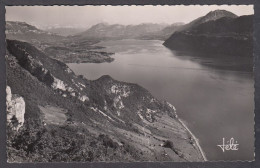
(15, 107)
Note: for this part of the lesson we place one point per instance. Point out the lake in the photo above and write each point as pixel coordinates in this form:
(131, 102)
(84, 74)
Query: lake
(215, 101)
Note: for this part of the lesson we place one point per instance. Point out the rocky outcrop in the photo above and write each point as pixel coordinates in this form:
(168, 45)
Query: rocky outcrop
(15, 107)
(58, 84)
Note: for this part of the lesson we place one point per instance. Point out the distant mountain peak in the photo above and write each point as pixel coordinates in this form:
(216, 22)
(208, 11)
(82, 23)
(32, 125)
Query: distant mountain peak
(102, 24)
(211, 16)
(216, 14)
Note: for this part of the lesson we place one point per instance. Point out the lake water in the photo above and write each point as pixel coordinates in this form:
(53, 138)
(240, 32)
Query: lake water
(215, 102)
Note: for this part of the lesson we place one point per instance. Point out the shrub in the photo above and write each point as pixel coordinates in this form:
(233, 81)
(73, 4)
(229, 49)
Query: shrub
(168, 144)
(107, 141)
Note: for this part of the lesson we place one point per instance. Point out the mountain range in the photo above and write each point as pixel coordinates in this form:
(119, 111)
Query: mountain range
(104, 31)
(101, 31)
(26, 32)
(218, 32)
(56, 46)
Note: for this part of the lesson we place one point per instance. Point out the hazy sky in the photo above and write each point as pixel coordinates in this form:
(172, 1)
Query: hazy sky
(86, 16)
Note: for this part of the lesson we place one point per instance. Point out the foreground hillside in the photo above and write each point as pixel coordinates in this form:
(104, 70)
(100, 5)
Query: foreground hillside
(226, 35)
(64, 117)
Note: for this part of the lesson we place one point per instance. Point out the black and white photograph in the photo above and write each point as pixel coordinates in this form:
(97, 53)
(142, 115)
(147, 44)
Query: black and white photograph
(165, 83)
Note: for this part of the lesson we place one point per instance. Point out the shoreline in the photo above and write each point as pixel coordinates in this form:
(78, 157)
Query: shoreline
(194, 137)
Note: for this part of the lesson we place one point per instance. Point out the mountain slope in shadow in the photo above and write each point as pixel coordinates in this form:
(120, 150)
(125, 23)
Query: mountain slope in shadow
(226, 35)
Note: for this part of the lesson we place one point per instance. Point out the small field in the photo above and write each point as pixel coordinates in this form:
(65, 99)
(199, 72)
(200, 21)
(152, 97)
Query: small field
(54, 115)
